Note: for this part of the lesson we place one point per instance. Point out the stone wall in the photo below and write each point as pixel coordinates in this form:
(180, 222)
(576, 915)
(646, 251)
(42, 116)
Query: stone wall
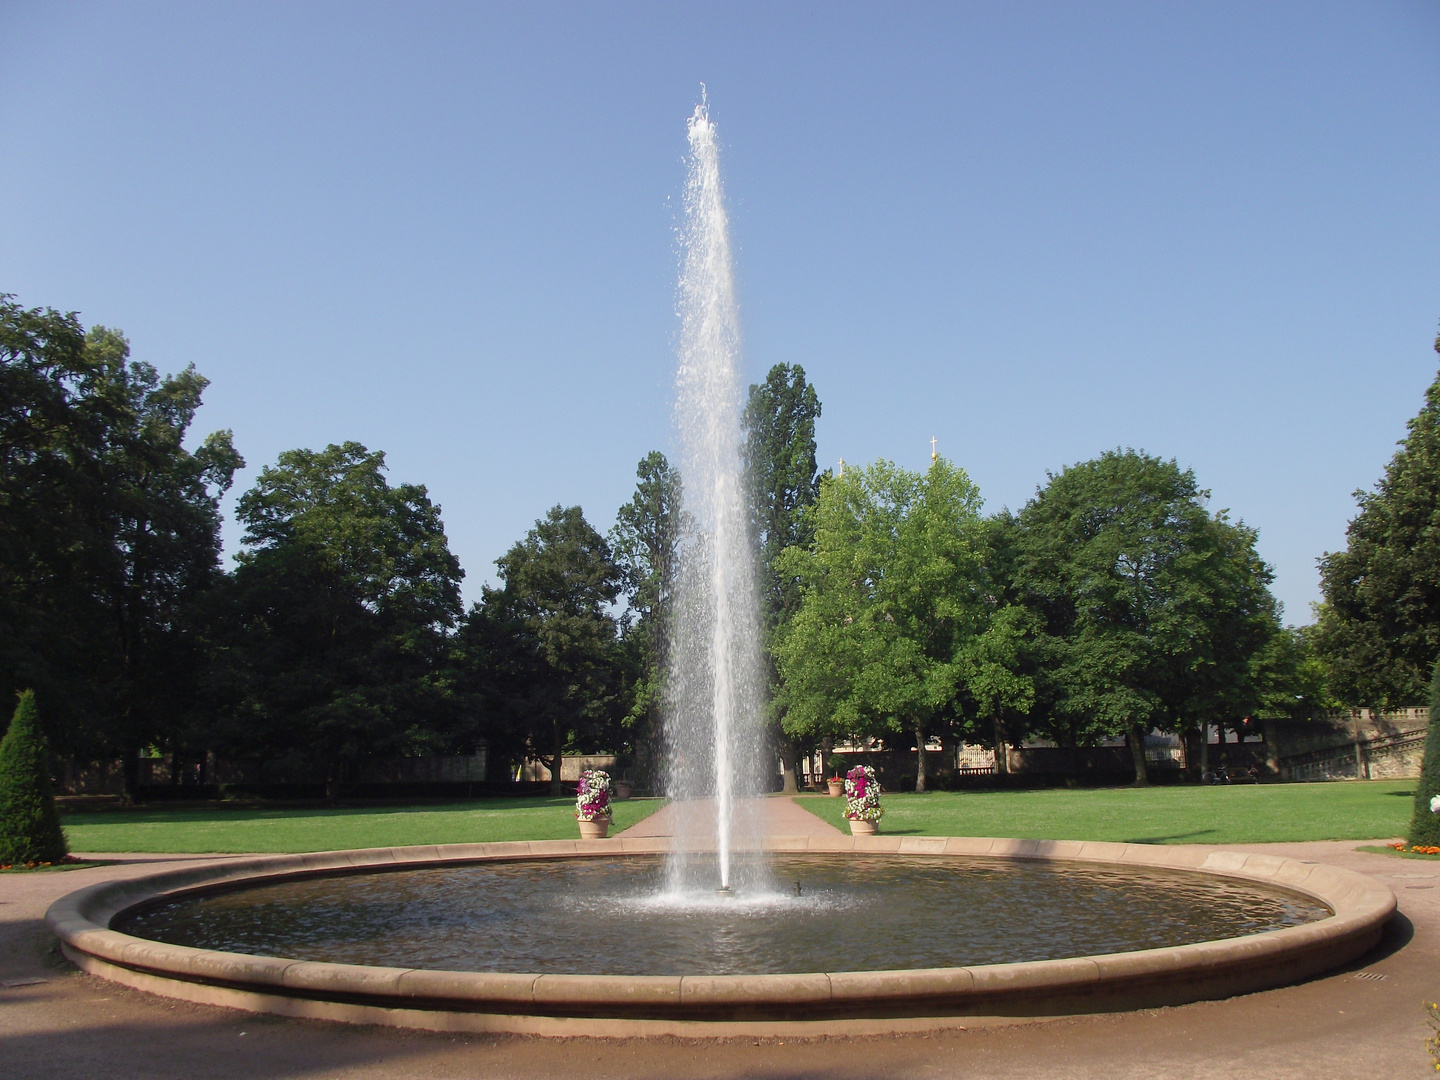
(571, 766)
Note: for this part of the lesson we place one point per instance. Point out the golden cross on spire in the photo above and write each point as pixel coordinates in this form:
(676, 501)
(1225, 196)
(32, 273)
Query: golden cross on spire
(933, 455)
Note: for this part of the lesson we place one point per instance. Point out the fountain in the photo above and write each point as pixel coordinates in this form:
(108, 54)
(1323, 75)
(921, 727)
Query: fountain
(627, 936)
(713, 731)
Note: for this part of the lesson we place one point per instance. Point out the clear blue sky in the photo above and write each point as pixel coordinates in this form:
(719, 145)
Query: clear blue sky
(1035, 231)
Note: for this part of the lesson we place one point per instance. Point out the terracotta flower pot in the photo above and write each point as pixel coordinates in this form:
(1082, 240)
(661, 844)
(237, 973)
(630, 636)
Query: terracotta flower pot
(837, 788)
(623, 790)
(596, 829)
(863, 828)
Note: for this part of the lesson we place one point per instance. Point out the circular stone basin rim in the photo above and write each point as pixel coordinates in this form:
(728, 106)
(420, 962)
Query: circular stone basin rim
(818, 1002)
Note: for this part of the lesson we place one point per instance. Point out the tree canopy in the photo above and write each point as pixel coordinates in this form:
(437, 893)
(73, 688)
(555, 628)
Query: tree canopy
(109, 531)
(643, 543)
(1379, 627)
(1152, 609)
(779, 456)
(890, 602)
(554, 613)
(340, 604)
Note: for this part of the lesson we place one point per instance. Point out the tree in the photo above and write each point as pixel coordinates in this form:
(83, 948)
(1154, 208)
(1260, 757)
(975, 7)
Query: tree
(1424, 822)
(993, 677)
(29, 825)
(1379, 627)
(890, 604)
(779, 424)
(341, 601)
(563, 684)
(1153, 609)
(643, 542)
(109, 532)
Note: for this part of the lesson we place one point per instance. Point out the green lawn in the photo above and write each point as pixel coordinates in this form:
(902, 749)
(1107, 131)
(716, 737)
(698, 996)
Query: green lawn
(1242, 814)
(223, 830)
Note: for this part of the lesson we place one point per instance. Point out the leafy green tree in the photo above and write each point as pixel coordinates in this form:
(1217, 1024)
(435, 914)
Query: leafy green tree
(891, 604)
(29, 825)
(993, 675)
(561, 658)
(643, 543)
(1379, 627)
(1152, 608)
(109, 532)
(1425, 823)
(341, 602)
(779, 423)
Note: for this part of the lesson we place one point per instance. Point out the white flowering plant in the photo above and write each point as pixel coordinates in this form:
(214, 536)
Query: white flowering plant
(862, 794)
(592, 797)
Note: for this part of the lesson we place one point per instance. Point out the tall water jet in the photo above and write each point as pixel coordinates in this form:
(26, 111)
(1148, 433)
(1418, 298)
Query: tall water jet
(714, 730)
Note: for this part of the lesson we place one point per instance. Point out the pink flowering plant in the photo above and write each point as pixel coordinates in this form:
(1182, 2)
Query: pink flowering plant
(862, 794)
(592, 798)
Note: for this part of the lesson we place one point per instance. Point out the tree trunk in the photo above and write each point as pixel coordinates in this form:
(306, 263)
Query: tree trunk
(1204, 750)
(1136, 738)
(1272, 746)
(332, 782)
(827, 747)
(1002, 758)
(130, 777)
(787, 766)
(559, 760)
(919, 759)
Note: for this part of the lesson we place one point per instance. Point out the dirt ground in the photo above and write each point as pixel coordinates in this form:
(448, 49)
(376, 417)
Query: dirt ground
(1365, 1021)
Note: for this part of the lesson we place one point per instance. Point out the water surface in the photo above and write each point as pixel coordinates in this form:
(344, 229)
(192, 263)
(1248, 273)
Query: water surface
(609, 916)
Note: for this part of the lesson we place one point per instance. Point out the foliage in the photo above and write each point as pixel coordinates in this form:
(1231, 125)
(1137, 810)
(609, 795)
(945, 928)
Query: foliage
(109, 532)
(891, 603)
(557, 639)
(1153, 610)
(1424, 822)
(862, 795)
(779, 453)
(1432, 1043)
(1380, 622)
(1181, 814)
(29, 826)
(592, 796)
(643, 544)
(779, 424)
(338, 610)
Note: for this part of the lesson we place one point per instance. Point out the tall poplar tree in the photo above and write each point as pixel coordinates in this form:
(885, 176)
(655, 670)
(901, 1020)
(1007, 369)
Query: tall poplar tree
(779, 423)
(643, 543)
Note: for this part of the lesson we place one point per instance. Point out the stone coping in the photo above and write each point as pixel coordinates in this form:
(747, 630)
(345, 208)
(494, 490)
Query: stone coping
(814, 1002)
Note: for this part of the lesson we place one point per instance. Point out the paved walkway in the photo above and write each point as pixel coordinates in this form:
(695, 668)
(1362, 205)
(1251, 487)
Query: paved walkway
(778, 815)
(58, 1023)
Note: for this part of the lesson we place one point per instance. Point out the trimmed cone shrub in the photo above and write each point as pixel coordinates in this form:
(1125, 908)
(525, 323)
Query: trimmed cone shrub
(29, 824)
(1424, 823)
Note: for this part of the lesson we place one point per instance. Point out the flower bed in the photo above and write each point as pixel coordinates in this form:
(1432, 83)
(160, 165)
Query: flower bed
(1414, 849)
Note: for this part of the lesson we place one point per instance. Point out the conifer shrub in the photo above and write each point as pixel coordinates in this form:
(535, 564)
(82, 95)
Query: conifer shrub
(1425, 823)
(29, 824)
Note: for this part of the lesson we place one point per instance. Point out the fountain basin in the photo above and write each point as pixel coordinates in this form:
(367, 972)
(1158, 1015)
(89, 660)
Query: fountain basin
(817, 1002)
